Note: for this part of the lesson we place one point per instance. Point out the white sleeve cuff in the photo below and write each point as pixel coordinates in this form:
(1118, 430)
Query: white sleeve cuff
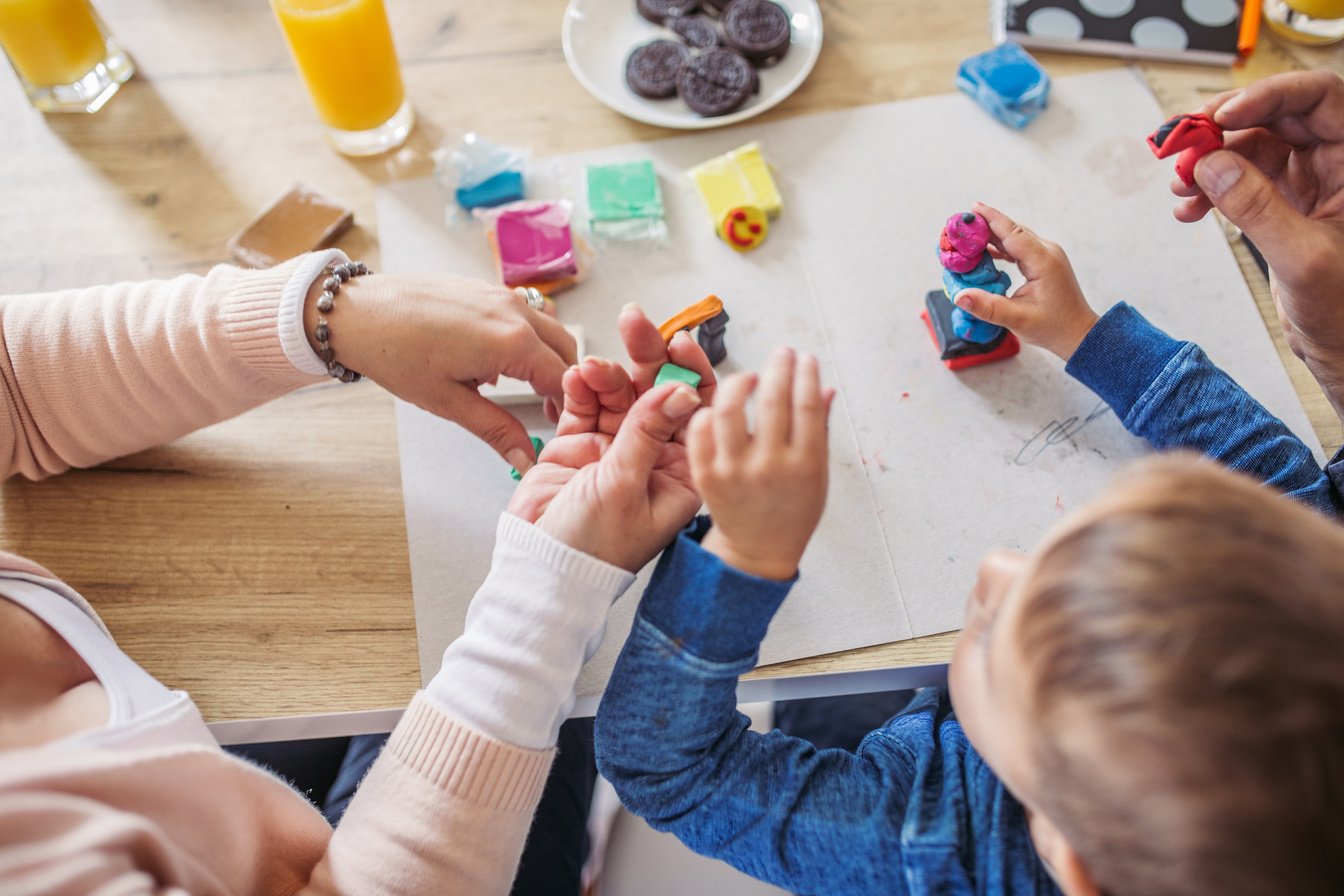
(290, 325)
(535, 621)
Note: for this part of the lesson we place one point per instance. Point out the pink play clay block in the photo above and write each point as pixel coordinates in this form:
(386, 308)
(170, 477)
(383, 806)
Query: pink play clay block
(962, 242)
(535, 244)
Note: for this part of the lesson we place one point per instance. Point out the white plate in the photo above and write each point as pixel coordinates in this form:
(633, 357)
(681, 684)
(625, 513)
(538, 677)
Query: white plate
(598, 35)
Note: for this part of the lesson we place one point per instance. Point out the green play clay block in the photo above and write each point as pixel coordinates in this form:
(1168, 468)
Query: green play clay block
(671, 373)
(537, 445)
(623, 191)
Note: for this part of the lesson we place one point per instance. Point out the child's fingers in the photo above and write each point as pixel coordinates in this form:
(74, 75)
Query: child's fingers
(1031, 253)
(810, 407)
(775, 399)
(700, 441)
(730, 413)
(643, 343)
(991, 308)
(581, 405)
(610, 383)
(684, 351)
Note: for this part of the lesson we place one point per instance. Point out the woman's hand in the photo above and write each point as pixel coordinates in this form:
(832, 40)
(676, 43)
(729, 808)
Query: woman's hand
(1280, 179)
(612, 483)
(431, 340)
(1050, 309)
(765, 490)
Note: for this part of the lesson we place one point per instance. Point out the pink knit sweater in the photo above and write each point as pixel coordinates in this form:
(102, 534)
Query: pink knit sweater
(93, 374)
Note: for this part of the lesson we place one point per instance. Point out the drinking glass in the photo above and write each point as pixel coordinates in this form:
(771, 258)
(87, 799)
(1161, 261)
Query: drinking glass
(344, 53)
(63, 54)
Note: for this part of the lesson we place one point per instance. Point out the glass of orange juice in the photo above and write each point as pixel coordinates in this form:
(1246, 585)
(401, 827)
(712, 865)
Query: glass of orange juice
(1316, 22)
(63, 54)
(343, 50)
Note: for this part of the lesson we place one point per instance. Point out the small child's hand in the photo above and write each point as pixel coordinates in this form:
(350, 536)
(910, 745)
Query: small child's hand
(765, 490)
(1050, 309)
(612, 483)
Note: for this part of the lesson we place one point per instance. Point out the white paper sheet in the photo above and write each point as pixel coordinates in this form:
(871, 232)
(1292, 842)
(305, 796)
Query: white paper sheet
(929, 468)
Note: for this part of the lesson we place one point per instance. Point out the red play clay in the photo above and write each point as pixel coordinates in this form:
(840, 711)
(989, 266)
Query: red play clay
(1193, 135)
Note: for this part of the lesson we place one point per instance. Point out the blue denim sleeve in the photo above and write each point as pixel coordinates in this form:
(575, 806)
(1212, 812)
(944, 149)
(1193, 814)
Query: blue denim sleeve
(1171, 394)
(670, 739)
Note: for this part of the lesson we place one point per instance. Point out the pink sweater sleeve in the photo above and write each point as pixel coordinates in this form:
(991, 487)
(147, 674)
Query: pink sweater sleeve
(91, 374)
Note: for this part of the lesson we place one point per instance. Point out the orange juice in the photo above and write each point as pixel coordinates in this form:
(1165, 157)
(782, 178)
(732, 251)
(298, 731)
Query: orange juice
(51, 42)
(343, 50)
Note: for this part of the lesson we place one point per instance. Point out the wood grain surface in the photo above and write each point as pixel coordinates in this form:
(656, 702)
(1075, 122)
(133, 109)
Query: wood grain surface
(261, 563)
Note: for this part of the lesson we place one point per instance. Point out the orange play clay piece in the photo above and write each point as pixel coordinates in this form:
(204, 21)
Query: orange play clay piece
(691, 316)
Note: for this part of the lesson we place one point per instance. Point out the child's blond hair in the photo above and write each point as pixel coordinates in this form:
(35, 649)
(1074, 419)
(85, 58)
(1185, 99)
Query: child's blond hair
(1184, 644)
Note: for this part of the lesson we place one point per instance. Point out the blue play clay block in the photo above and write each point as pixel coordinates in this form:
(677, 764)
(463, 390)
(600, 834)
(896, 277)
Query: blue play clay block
(506, 186)
(1007, 83)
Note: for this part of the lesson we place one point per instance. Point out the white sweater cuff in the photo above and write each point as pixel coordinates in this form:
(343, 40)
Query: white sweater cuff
(537, 618)
(292, 337)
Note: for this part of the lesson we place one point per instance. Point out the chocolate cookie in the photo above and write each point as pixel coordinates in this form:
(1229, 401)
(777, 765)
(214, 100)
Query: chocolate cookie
(717, 82)
(652, 69)
(699, 32)
(659, 11)
(758, 29)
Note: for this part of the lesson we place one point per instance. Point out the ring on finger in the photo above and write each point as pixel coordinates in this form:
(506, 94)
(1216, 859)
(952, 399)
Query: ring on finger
(533, 296)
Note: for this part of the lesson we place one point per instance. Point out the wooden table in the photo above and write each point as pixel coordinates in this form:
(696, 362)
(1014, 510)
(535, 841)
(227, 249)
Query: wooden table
(214, 559)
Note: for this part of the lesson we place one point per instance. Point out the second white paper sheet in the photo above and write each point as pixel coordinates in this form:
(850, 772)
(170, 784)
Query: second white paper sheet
(929, 468)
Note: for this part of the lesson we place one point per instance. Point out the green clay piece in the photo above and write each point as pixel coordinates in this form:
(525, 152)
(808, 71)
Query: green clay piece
(623, 191)
(537, 445)
(671, 373)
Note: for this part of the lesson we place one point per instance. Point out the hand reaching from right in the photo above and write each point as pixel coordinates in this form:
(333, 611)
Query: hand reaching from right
(765, 490)
(1049, 310)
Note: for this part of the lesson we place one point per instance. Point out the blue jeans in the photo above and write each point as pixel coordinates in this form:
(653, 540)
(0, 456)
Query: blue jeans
(328, 772)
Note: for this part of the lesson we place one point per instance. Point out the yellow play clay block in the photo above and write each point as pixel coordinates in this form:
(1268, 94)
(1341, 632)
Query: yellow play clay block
(737, 178)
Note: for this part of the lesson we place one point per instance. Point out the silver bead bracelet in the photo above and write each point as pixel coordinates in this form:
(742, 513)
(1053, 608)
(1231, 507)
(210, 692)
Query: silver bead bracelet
(335, 276)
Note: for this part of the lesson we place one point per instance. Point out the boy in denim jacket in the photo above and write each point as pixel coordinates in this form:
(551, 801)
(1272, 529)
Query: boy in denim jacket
(1152, 702)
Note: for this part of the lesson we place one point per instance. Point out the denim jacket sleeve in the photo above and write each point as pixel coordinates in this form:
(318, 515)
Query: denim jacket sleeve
(912, 810)
(1171, 394)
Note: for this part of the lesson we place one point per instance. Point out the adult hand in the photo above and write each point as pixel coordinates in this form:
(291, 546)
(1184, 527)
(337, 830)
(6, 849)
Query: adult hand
(599, 393)
(432, 340)
(765, 490)
(1050, 309)
(1281, 180)
(618, 493)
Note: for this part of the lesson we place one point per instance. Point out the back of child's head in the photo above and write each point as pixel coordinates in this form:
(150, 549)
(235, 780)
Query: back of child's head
(1184, 648)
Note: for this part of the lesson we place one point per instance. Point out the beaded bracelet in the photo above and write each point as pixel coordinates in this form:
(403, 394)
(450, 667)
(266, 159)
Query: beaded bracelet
(335, 276)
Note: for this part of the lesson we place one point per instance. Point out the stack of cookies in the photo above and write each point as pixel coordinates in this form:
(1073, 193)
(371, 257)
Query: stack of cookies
(711, 65)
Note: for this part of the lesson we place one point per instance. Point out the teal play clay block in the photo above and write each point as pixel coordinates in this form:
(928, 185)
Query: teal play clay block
(671, 373)
(623, 191)
(537, 445)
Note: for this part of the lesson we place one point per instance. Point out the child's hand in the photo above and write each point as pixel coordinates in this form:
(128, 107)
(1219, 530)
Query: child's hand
(765, 490)
(618, 495)
(1049, 310)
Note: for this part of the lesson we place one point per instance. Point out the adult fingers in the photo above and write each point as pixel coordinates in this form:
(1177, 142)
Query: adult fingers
(528, 357)
(810, 406)
(991, 308)
(730, 413)
(554, 334)
(493, 425)
(1032, 254)
(1249, 200)
(775, 420)
(684, 351)
(1188, 211)
(1316, 98)
(649, 426)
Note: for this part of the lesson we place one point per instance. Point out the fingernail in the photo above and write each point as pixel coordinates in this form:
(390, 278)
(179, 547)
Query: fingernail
(1218, 172)
(681, 402)
(521, 460)
(963, 301)
(680, 335)
(631, 306)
